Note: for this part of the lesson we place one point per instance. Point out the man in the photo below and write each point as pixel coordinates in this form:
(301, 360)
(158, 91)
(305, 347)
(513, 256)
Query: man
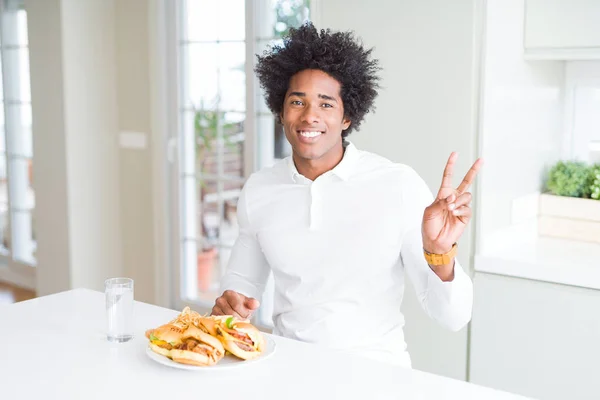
(338, 226)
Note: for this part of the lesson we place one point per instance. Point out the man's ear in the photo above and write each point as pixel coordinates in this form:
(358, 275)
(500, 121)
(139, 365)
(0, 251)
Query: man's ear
(346, 123)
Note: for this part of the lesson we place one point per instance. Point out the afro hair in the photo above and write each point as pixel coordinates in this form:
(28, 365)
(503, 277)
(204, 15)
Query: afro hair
(338, 54)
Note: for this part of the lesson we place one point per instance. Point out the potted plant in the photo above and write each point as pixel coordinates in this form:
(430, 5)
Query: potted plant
(209, 125)
(570, 208)
(594, 179)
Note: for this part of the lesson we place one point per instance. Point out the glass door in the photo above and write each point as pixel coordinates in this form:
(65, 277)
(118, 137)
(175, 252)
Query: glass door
(225, 132)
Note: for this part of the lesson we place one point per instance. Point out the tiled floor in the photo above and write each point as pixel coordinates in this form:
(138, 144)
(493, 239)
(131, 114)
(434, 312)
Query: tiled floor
(11, 294)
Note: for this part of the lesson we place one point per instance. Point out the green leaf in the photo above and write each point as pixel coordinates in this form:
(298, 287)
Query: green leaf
(229, 322)
(152, 337)
(594, 179)
(569, 178)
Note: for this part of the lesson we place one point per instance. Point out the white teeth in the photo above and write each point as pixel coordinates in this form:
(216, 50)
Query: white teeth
(310, 134)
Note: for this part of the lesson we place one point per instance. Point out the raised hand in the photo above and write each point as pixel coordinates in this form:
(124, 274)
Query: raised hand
(444, 221)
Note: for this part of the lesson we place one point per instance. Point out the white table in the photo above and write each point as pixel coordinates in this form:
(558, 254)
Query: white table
(55, 347)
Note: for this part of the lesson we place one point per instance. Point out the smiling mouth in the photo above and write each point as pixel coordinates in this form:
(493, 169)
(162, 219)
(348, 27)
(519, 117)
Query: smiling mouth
(309, 134)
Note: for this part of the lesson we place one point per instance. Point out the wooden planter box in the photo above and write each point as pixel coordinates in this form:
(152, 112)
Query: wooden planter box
(569, 218)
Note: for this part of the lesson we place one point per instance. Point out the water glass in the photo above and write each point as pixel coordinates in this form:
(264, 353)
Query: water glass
(119, 309)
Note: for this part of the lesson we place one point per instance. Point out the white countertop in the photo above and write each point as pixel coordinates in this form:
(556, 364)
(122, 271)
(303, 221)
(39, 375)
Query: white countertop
(55, 347)
(561, 261)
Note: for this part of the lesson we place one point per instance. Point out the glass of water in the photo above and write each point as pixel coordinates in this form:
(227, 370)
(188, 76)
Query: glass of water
(119, 309)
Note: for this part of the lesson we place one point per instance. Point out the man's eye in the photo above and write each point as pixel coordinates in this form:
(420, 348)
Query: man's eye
(326, 105)
(296, 102)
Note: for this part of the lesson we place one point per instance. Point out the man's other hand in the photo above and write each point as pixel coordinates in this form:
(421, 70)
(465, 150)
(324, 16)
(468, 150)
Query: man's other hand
(236, 304)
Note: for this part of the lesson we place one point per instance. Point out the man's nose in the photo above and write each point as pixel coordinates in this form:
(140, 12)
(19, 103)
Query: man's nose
(310, 115)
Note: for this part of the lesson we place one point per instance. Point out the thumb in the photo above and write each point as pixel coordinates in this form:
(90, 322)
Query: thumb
(251, 303)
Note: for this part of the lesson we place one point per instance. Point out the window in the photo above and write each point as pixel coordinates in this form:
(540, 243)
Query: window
(226, 130)
(17, 243)
(582, 103)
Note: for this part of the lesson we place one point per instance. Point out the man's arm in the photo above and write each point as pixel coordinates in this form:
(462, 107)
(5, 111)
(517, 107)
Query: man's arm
(448, 302)
(445, 292)
(247, 271)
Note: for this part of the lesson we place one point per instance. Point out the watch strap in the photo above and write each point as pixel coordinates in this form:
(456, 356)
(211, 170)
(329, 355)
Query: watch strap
(440, 259)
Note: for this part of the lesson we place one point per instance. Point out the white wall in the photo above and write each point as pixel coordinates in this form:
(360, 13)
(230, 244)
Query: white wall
(53, 272)
(90, 75)
(136, 173)
(425, 110)
(521, 120)
(72, 50)
(92, 153)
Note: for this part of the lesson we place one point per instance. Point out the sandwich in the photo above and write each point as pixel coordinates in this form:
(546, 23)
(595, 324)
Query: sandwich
(197, 348)
(240, 338)
(184, 342)
(209, 324)
(164, 338)
(189, 345)
(193, 339)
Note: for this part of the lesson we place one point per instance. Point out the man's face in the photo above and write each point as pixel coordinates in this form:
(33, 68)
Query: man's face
(313, 115)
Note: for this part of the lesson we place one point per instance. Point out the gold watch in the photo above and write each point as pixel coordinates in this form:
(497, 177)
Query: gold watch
(440, 259)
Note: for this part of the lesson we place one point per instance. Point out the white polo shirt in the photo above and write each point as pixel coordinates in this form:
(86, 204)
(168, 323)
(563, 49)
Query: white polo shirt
(338, 248)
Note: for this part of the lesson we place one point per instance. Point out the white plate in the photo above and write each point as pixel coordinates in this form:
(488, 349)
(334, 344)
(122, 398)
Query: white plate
(229, 361)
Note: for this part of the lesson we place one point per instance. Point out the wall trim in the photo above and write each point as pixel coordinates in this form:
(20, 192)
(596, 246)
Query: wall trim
(158, 15)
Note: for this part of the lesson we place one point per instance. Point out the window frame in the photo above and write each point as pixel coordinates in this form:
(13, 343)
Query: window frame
(15, 268)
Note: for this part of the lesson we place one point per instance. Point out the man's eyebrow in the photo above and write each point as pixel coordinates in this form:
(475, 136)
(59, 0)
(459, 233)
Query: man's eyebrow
(324, 96)
(321, 96)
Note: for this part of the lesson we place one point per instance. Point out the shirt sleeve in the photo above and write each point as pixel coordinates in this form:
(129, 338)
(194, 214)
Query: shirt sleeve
(449, 303)
(247, 270)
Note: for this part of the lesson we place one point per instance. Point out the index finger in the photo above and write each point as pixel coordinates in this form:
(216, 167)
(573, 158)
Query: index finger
(224, 308)
(470, 176)
(448, 170)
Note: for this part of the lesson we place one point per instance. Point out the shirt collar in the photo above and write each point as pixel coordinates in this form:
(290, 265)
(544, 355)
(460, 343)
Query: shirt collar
(294, 174)
(343, 170)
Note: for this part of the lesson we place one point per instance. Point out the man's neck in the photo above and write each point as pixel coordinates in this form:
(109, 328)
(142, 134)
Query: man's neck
(312, 169)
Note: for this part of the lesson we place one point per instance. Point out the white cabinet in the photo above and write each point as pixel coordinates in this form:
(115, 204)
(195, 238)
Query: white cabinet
(562, 29)
(535, 338)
